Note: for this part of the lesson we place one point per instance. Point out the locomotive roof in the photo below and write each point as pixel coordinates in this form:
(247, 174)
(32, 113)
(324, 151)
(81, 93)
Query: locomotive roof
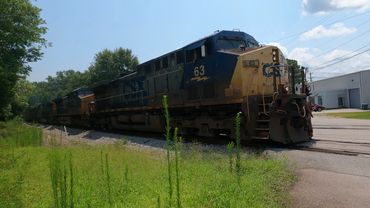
(197, 43)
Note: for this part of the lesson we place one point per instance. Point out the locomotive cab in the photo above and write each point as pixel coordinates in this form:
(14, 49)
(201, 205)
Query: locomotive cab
(272, 109)
(230, 72)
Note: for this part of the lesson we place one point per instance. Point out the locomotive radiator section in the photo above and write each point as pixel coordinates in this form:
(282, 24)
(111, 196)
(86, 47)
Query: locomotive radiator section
(271, 109)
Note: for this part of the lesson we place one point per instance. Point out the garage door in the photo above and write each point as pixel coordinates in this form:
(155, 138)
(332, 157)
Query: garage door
(354, 98)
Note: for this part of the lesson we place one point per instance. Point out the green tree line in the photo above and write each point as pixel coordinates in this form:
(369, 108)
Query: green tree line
(107, 65)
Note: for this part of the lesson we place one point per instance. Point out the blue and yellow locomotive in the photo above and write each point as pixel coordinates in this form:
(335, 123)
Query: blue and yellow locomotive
(207, 82)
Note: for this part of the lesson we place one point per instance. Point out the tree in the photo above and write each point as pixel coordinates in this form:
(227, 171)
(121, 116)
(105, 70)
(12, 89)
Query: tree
(63, 83)
(21, 41)
(109, 64)
(20, 102)
(293, 66)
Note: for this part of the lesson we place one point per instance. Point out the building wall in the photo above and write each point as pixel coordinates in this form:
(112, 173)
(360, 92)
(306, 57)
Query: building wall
(365, 87)
(349, 81)
(330, 98)
(332, 88)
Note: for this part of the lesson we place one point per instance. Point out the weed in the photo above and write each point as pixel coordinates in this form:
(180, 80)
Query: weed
(126, 178)
(54, 165)
(168, 143)
(60, 170)
(175, 138)
(237, 138)
(71, 182)
(101, 163)
(159, 201)
(108, 180)
(230, 148)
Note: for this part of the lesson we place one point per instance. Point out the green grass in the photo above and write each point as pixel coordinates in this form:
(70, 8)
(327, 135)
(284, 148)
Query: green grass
(120, 176)
(356, 115)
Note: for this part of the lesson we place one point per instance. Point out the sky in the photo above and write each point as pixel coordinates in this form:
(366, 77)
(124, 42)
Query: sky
(317, 33)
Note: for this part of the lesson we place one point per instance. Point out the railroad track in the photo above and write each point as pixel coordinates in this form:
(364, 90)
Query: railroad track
(344, 142)
(261, 145)
(341, 149)
(332, 151)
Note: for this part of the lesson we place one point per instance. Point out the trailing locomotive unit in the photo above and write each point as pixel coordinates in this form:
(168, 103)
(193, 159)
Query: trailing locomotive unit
(74, 108)
(208, 82)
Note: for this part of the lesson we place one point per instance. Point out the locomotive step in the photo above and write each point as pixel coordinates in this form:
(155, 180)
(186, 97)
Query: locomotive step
(262, 113)
(260, 137)
(262, 129)
(263, 134)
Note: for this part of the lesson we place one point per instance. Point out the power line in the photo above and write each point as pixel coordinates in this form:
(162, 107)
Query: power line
(340, 45)
(336, 21)
(357, 54)
(341, 57)
(321, 21)
(334, 38)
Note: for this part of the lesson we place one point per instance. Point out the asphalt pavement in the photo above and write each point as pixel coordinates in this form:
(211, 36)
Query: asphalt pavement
(333, 180)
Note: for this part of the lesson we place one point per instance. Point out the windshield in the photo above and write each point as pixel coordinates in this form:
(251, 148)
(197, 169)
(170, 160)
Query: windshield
(226, 44)
(230, 43)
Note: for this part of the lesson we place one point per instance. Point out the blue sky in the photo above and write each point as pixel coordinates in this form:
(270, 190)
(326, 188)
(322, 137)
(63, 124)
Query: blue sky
(80, 29)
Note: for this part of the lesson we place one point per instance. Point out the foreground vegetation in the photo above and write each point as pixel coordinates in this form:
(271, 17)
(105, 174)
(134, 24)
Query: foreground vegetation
(356, 115)
(80, 175)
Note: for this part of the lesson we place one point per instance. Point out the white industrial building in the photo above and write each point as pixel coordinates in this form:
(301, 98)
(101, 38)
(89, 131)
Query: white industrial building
(346, 91)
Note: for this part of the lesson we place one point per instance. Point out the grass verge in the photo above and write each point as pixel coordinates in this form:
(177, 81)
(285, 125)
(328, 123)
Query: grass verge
(136, 178)
(356, 115)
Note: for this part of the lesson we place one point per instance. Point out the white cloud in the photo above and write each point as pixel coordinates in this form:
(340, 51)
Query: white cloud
(302, 55)
(281, 47)
(325, 6)
(321, 31)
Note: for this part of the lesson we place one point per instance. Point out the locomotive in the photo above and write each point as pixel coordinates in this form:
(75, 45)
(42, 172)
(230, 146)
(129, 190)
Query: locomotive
(207, 82)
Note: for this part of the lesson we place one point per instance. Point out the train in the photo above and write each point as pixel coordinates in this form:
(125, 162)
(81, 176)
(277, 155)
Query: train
(207, 83)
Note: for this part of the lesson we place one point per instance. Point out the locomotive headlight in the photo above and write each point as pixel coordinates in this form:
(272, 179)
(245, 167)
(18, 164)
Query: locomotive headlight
(275, 55)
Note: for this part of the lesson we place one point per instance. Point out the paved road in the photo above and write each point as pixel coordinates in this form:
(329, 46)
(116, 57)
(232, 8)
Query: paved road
(332, 180)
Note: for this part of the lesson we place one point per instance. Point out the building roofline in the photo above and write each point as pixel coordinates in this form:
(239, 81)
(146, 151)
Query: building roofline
(343, 75)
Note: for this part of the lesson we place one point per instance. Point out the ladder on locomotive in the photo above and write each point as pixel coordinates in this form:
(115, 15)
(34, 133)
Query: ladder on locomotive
(263, 118)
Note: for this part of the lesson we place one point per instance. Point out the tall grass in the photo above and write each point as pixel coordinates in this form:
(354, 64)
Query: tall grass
(126, 179)
(71, 182)
(76, 179)
(101, 163)
(230, 147)
(15, 134)
(159, 202)
(176, 140)
(237, 138)
(168, 144)
(61, 168)
(109, 195)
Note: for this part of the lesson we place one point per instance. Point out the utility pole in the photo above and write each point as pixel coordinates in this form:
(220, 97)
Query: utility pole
(313, 85)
